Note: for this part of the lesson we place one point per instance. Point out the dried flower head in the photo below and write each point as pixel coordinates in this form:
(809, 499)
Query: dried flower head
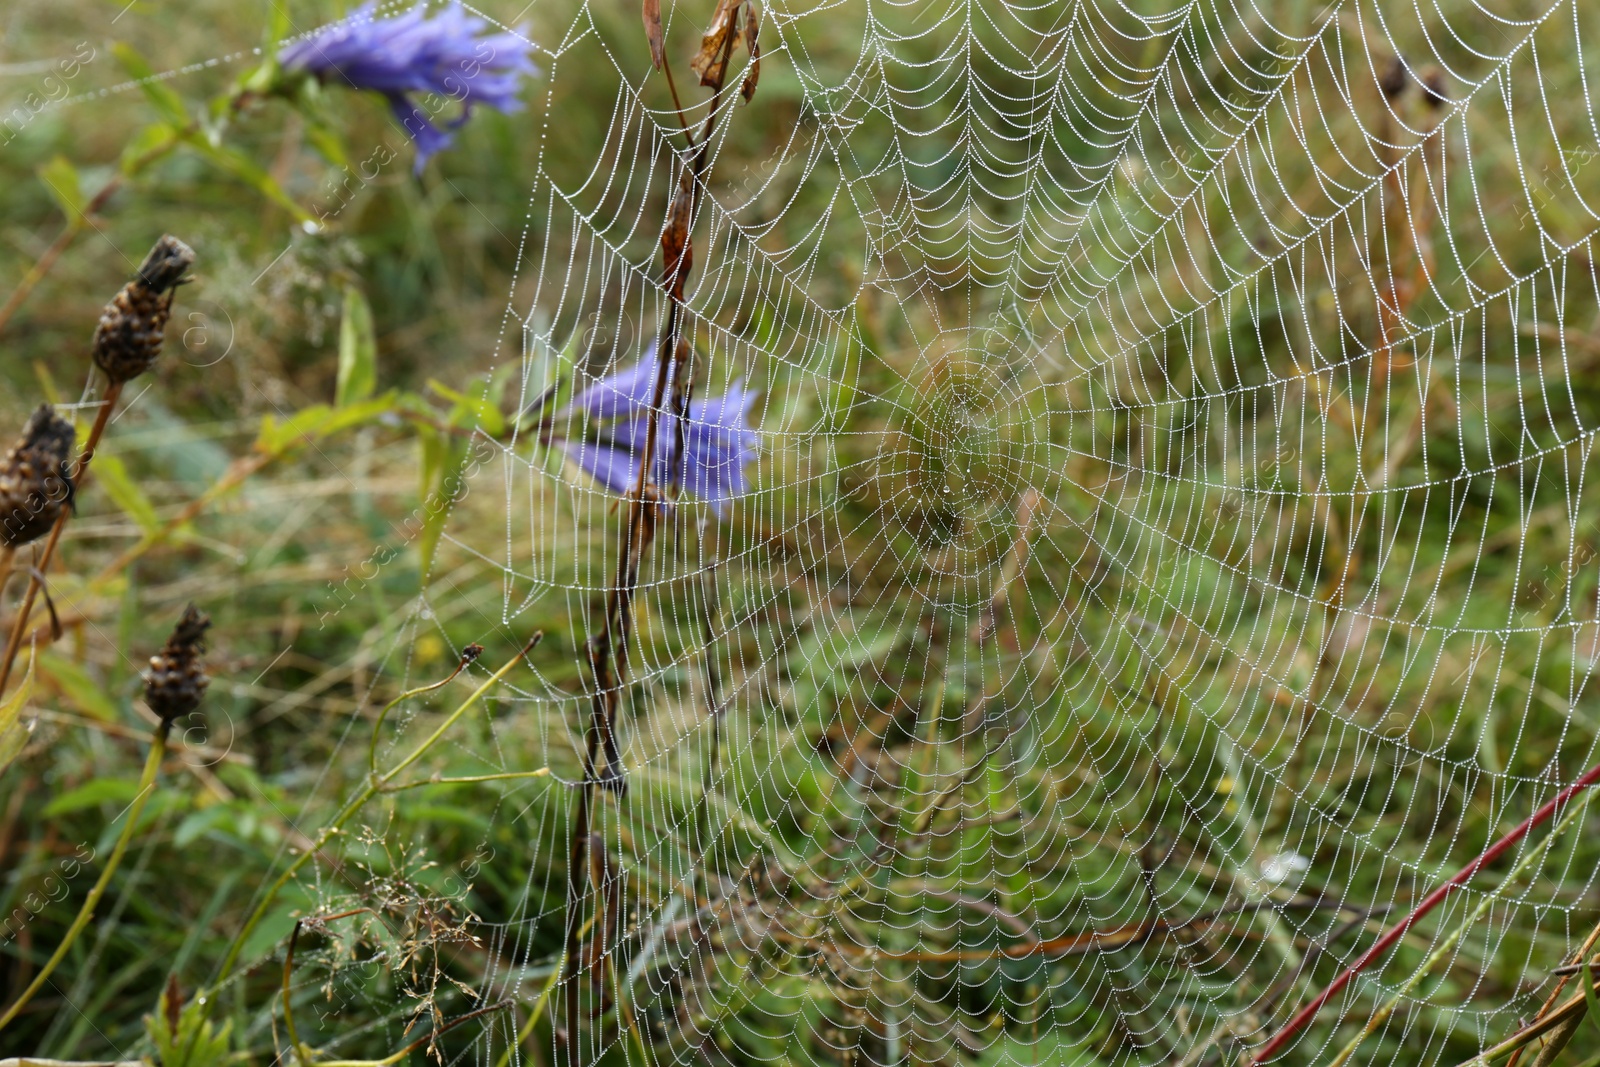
(1394, 78)
(719, 443)
(446, 53)
(1433, 88)
(177, 680)
(133, 325)
(36, 478)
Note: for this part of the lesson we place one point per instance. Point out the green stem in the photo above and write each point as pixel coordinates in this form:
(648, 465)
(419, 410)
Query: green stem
(543, 1001)
(375, 784)
(152, 764)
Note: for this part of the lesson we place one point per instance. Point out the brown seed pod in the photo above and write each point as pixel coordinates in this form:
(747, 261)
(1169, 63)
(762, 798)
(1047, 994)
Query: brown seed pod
(1394, 78)
(177, 680)
(128, 338)
(36, 478)
(1433, 88)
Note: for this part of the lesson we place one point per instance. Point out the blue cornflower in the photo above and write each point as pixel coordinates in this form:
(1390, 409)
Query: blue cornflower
(718, 441)
(446, 52)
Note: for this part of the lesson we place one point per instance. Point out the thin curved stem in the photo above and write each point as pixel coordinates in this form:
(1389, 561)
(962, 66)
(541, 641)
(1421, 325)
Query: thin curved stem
(377, 727)
(152, 764)
(1309, 1010)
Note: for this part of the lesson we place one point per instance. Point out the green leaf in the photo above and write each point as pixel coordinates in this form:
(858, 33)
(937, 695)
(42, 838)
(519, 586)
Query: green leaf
(61, 178)
(166, 102)
(198, 823)
(150, 143)
(13, 732)
(88, 695)
(279, 25)
(318, 421)
(325, 139)
(471, 411)
(358, 350)
(443, 457)
(247, 170)
(93, 793)
(197, 1042)
(125, 493)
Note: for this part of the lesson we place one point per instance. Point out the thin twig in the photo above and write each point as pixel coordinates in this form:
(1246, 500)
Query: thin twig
(1308, 1012)
(608, 648)
(47, 259)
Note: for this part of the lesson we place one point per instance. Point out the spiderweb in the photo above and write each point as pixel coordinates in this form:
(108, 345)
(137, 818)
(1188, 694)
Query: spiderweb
(1171, 553)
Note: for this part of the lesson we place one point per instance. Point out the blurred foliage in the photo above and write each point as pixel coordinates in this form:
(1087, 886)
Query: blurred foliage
(306, 464)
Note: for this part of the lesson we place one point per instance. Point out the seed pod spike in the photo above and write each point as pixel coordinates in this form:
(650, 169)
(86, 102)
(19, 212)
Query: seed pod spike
(132, 327)
(177, 679)
(36, 479)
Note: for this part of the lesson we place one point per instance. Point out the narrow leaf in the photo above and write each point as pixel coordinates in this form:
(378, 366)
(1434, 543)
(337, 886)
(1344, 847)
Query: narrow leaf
(125, 492)
(654, 33)
(61, 178)
(677, 253)
(358, 350)
(248, 171)
(92, 793)
(166, 102)
(711, 62)
(1590, 999)
(471, 412)
(149, 143)
(13, 731)
(84, 692)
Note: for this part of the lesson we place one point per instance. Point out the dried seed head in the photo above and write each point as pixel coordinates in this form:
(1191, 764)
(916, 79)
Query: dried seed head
(36, 478)
(1393, 81)
(177, 681)
(132, 326)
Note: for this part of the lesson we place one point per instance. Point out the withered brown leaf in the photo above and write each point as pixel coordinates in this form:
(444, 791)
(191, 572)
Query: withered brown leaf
(711, 62)
(677, 250)
(653, 32)
(752, 32)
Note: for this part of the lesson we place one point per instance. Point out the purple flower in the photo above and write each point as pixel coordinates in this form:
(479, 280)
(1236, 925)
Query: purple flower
(718, 440)
(447, 53)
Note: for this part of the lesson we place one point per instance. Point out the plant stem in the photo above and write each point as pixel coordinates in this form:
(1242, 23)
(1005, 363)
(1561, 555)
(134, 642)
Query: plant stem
(1448, 943)
(152, 764)
(36, 580)
(47, 260)
(608, 649)
(1431, 901)
(375, 784)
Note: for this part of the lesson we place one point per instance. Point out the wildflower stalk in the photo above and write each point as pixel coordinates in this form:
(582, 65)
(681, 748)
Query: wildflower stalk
(152, 764)
(80, 469)
(608, 648)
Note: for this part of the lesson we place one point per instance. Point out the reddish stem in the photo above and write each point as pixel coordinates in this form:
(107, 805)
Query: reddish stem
(1429, 902)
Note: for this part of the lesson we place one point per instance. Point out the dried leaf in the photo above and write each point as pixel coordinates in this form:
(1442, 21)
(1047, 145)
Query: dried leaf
(653, 31)
(711, 62)
(752, 31)
(677, 251)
